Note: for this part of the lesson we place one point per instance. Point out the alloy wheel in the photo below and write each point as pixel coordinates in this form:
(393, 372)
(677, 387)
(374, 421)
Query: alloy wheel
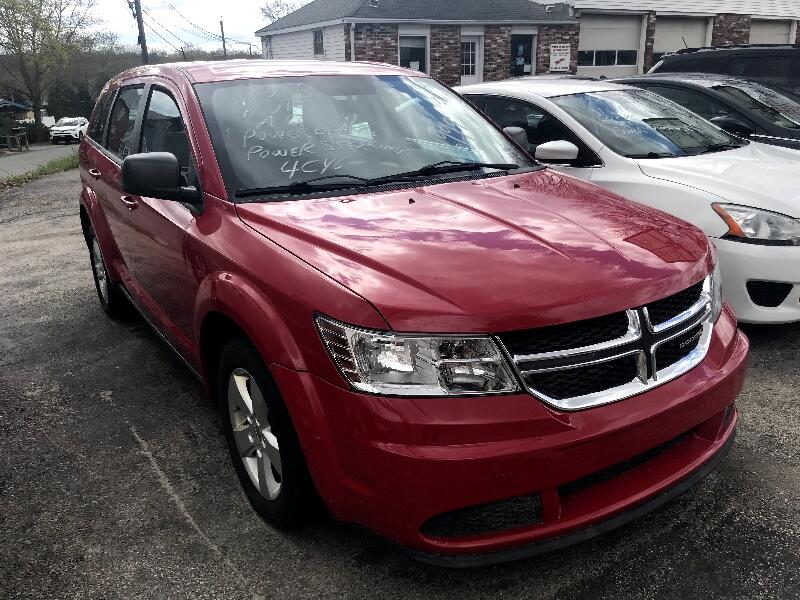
(99, 268)
(257, 445)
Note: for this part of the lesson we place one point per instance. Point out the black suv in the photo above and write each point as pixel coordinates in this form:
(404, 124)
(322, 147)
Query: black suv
(777, 65)
(741, 107)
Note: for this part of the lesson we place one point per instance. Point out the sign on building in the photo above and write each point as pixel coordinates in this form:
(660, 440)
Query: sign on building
(560, 57)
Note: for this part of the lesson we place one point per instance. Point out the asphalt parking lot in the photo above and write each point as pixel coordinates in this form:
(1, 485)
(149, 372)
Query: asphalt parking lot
(115, 482)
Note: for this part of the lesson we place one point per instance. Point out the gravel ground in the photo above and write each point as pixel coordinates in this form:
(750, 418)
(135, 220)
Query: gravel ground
(115, 483)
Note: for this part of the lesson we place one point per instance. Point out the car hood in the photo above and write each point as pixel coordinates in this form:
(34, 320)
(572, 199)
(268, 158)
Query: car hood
(489, 255)
(755, 175)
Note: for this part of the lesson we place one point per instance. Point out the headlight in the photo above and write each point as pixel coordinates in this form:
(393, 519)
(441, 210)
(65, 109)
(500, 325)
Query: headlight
(759, 226)
(381, 362)
(716, 293)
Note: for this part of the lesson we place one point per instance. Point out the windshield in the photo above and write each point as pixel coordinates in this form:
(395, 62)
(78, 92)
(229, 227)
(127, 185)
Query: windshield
(271, 133)
(68, 122)
(640, 124)
(773, 106)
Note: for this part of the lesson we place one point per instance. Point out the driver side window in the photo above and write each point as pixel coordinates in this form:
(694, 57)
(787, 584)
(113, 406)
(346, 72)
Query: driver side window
(697, 102)
(539, 125)
(163, 129)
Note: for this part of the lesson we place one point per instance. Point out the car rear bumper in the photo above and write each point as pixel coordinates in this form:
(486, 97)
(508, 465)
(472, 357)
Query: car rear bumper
(742, 263)
(397, 465)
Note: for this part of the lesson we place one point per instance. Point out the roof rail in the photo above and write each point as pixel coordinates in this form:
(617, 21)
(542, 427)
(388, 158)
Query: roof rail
(730, 46)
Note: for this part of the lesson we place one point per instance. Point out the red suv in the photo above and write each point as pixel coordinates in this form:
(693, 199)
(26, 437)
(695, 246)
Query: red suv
(401, 313)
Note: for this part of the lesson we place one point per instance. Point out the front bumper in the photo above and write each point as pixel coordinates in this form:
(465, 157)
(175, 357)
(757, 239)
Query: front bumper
(393, 464)
(743, 262)
(62, 136)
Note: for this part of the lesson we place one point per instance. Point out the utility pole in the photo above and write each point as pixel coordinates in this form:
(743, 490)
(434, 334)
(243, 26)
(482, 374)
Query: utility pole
(222, 31)
(136, 8)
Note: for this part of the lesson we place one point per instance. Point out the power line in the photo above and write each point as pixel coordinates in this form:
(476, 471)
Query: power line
(155, 21)
(216, 36)
(146, 24)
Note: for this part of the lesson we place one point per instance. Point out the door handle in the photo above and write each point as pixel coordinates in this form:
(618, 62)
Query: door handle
(95, 173)
(130, 202)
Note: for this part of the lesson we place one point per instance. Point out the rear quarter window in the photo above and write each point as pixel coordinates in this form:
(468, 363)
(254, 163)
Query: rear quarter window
(694, 65)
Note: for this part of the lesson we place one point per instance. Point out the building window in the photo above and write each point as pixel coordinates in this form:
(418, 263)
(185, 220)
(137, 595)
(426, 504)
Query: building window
(414, 52)
(469, 57)
(319, 42)
(608, 58)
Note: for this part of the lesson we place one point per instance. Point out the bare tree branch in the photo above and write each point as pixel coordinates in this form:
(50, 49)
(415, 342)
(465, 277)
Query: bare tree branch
(277, 9)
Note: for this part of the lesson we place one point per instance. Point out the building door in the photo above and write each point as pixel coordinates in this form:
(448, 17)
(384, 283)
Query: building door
(522, 55)
(675, 33)
(471, 59)
(609, 45)
(770, 32)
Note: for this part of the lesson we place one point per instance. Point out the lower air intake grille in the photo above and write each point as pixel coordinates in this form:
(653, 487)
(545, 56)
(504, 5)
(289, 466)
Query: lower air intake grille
(769, 294)
(570, 383)
(494, 517)
(620, 468)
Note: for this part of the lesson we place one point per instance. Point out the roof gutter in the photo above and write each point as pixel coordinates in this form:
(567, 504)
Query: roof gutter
(354, 20)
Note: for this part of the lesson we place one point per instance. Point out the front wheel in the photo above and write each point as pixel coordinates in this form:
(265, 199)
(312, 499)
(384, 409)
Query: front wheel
(261, 439)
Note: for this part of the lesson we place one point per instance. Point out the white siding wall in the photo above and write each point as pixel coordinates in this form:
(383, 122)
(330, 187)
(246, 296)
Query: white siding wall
(789, 9)
(299, 45)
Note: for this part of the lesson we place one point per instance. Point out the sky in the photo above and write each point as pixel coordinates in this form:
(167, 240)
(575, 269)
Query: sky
(242, 18)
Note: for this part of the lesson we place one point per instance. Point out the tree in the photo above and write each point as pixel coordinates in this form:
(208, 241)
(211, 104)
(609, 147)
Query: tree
(277, 9)
(39, 37)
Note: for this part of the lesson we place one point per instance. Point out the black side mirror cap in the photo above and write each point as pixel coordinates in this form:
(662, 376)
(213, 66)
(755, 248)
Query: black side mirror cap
(733, 126)
(156, 175)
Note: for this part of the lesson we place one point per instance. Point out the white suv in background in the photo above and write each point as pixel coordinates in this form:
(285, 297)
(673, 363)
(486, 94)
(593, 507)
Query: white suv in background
(68, 129)
(744, 195)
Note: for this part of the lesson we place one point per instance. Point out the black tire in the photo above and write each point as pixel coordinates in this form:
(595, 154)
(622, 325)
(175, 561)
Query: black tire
(111, 298)
(296, 502)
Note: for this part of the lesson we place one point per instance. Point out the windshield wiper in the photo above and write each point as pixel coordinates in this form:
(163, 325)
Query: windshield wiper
(440, 168)
(312, 185)
(720, 147)
(652, 155)
(304, 187)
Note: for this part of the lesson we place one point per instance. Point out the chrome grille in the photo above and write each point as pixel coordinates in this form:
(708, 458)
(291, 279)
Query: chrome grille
(652, 344)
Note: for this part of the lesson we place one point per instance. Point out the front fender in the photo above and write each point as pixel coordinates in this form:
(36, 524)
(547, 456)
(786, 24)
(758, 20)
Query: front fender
(240, 300)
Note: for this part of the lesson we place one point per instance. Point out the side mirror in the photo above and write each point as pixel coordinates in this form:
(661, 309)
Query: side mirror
(518, 135)
(156, 175)
(733, 126)
(560, 151)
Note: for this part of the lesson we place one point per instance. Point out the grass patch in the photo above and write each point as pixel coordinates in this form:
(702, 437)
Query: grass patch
(57, 165)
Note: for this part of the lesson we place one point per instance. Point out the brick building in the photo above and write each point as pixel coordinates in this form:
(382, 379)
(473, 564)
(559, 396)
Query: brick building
(458, 41)
(467, 41)
(626, 37)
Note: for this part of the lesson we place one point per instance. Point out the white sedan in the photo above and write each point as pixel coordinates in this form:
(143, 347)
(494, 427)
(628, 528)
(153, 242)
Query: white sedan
(744, 195)
(69, 129)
